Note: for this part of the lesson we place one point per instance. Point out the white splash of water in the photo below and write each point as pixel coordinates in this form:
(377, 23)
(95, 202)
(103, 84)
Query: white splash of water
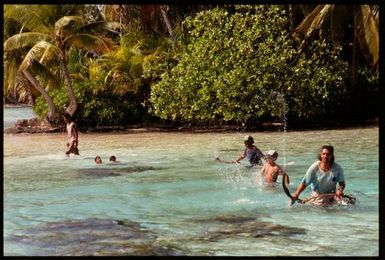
(284, 110)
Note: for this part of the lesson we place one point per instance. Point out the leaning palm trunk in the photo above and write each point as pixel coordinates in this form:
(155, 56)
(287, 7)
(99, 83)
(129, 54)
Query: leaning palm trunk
(50, 118)
(71, 109)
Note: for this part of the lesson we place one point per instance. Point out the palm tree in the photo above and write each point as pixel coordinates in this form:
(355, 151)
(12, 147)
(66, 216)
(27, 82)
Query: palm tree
(148, 18)
(334, 19)
(13, 79)
(127, 64)
(24, 67)
(70, 31)
(41, 28)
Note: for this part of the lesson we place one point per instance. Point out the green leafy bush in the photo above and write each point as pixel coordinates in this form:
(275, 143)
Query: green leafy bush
(95, 108)
(240, 67)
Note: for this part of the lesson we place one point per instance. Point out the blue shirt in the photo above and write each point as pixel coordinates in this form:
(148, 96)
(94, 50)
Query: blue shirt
(253, 155)
(323, 182)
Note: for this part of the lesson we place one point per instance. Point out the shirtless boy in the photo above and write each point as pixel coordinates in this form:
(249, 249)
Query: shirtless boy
(271, 170)
(72, 132)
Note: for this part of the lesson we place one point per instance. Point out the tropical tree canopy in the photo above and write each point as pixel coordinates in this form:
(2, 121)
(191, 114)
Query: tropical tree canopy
(241, 65)
(49, 39)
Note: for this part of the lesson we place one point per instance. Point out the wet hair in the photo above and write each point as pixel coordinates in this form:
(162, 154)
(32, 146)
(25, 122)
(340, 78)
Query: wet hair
(249, 139)
(98, 157)
(112, 158)
(330, 148)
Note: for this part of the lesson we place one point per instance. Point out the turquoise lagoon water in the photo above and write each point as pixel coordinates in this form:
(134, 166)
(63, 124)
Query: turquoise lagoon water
(11, 115)
(175, 200)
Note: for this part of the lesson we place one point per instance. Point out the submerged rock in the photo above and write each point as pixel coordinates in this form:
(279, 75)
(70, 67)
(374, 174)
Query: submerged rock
(226, 226)
(92, 237)
(98, 172)
(132, 169)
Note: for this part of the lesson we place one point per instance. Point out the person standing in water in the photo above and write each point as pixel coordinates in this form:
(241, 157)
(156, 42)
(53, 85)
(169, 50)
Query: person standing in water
(323, 175)
(72, 132)
(271, 170)
(252, 153)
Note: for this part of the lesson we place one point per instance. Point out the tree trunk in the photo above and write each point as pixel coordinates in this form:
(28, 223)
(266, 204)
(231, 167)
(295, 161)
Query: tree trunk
(71, 109)
(355, 88)
(50, 119)
(166, 21)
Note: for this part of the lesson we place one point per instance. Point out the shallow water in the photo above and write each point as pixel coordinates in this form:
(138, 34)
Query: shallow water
(11, 115)
(167, 196)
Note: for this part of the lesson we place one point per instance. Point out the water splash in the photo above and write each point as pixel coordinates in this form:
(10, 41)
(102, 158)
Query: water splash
(283, 113)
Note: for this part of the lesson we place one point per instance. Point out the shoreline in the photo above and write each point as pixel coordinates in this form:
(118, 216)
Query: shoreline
(35, 126)
(15, 105)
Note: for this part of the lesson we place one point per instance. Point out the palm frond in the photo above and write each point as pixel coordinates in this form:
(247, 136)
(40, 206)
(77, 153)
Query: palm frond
(65, 27)
(10, 27)
(68, 24)
(11, 70)
(90, 42)
(44, 50)
(50, 52)
(35, 53)
(99, 27)
(369, 33)
(314, 20)
(23, 40)
(30, 16)
(46, 77)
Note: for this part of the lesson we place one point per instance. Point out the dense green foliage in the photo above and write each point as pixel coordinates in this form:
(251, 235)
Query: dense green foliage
(95, 108)
(240, 67)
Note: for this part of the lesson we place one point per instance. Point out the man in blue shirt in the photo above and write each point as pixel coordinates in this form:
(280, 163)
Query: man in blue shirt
(323, 176)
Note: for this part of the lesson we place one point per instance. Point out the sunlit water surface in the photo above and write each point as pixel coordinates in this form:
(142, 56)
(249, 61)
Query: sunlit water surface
(169, 184)
(11, 115)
